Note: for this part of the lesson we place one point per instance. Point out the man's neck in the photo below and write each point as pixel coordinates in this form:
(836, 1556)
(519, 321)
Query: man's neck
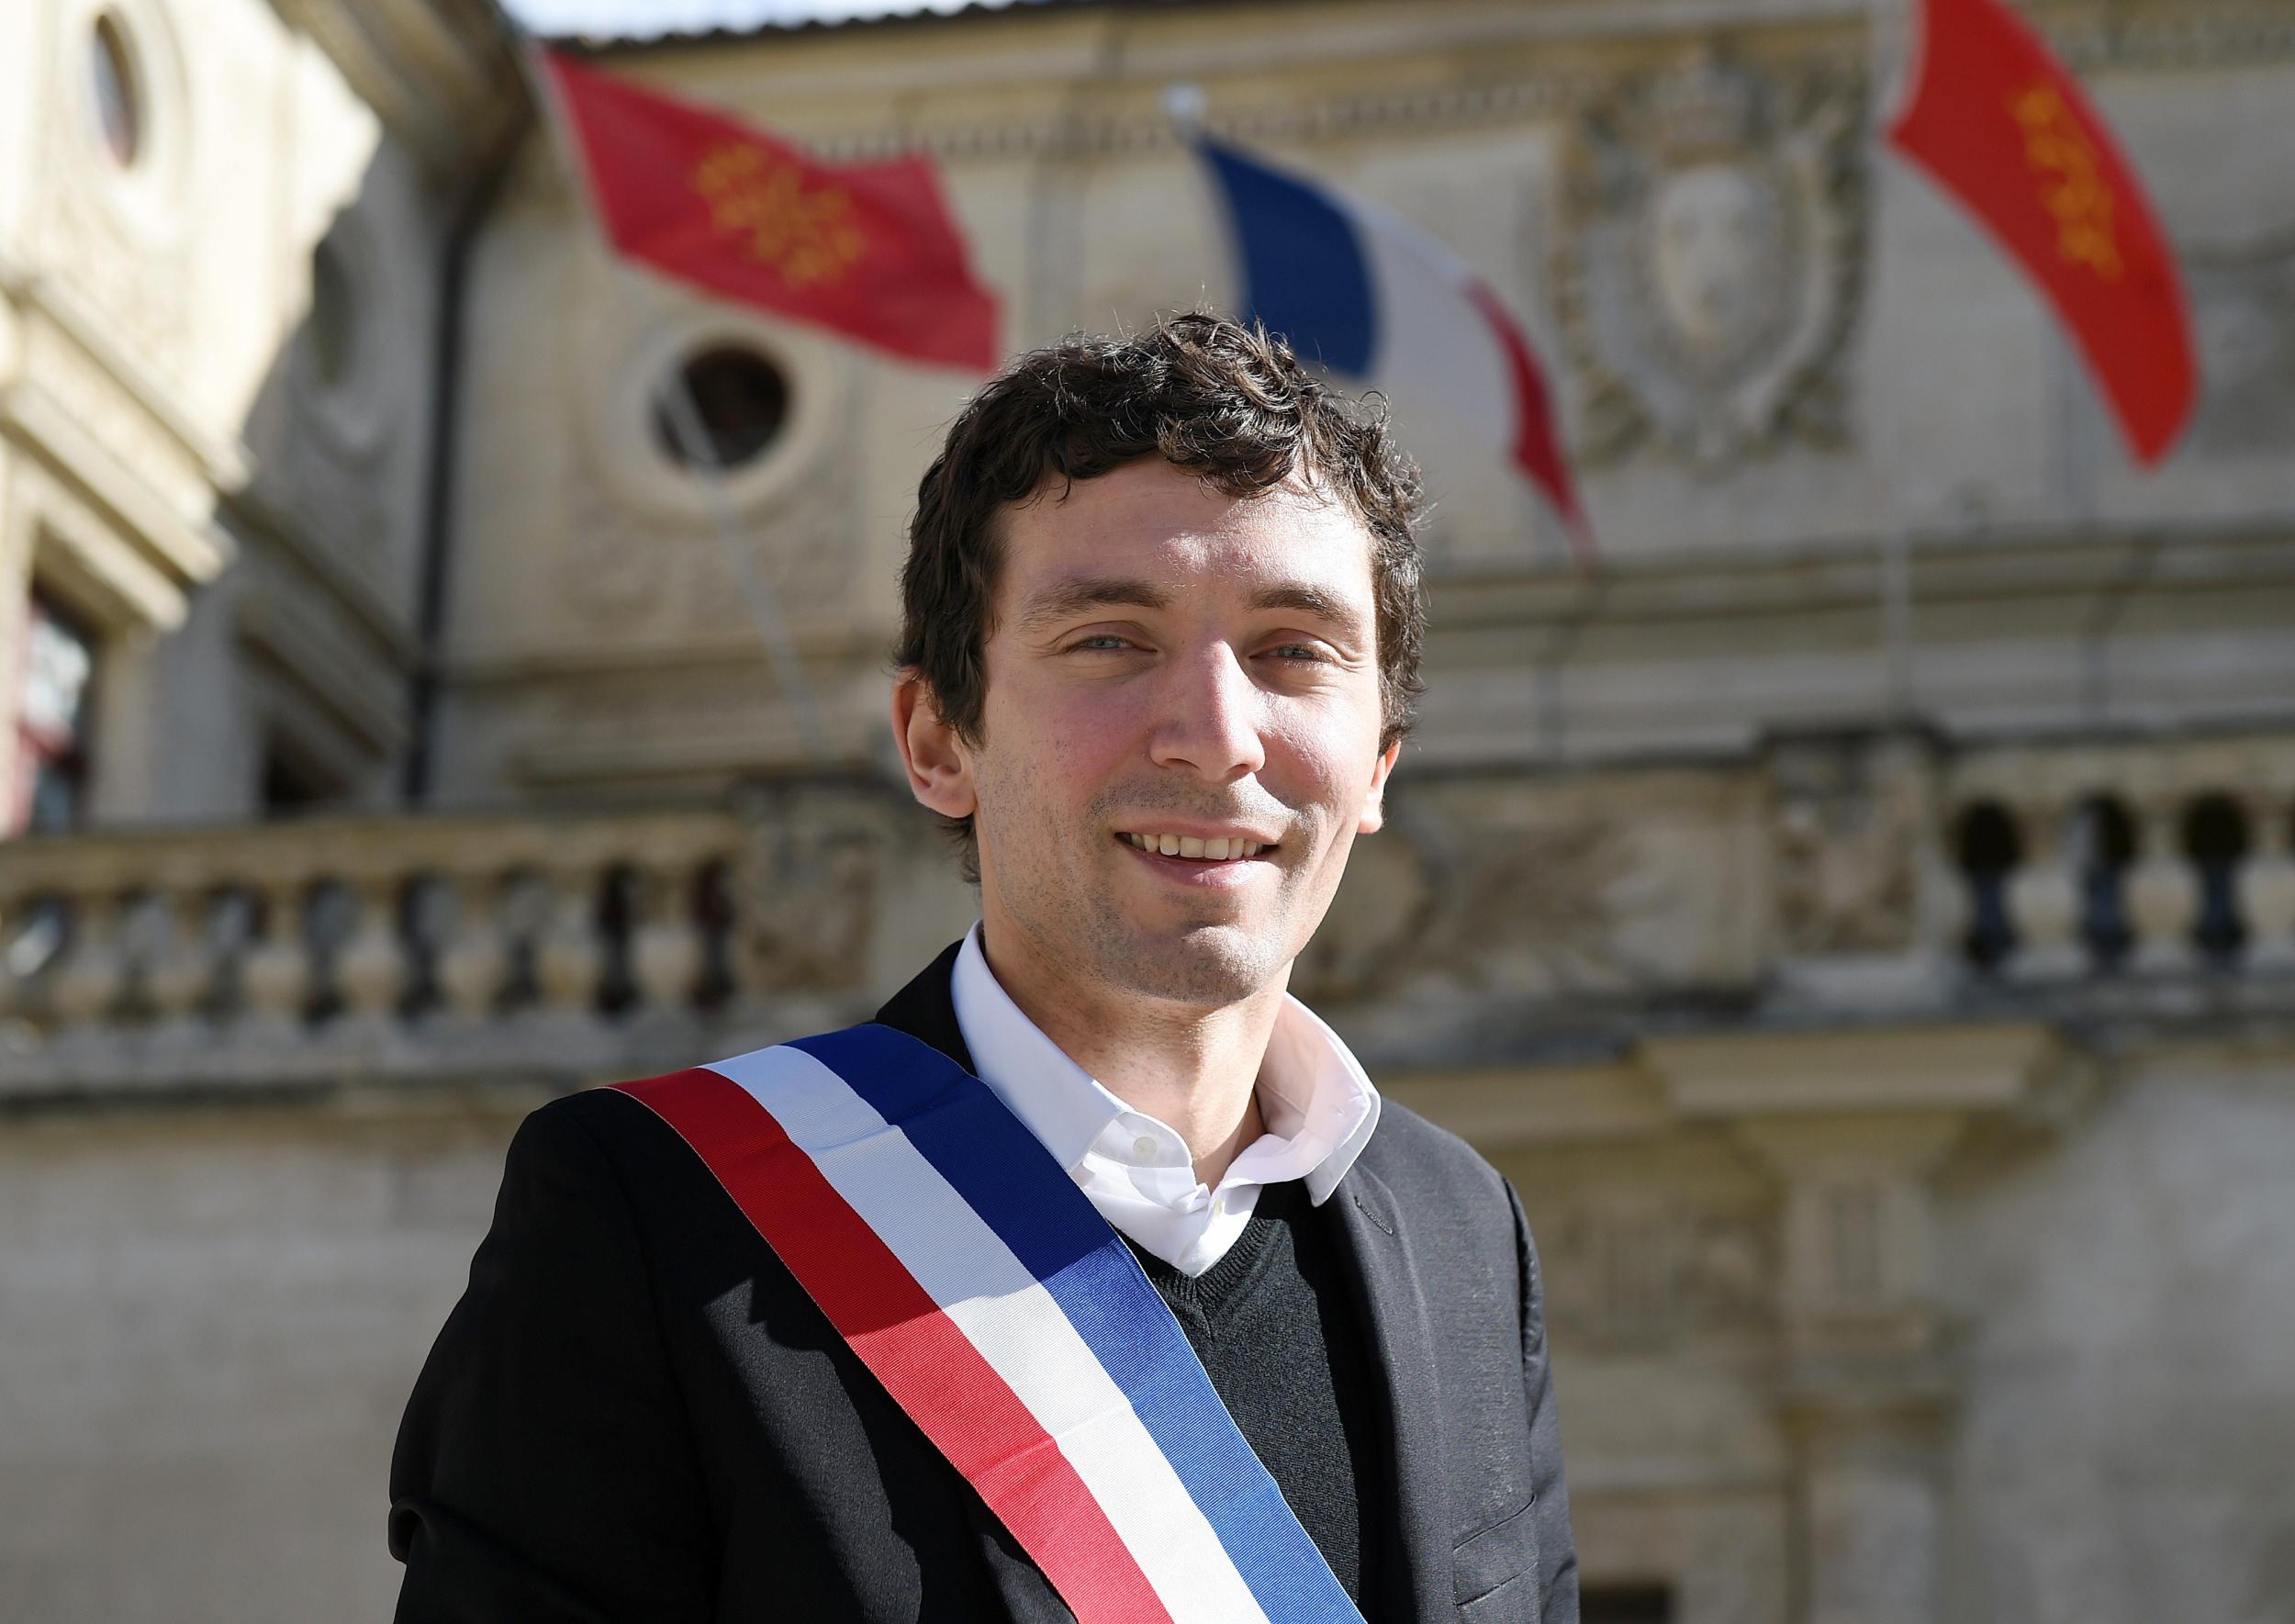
(1195, 1067)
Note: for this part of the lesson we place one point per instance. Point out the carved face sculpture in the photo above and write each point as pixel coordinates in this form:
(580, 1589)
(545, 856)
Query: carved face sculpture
(1712, 240)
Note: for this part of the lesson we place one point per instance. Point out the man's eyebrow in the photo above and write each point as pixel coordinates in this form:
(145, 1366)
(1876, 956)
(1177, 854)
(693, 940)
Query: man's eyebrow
(1069, 598)
(1307, 598)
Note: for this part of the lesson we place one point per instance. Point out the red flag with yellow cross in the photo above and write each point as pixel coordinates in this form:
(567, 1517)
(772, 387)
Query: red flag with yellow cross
(2004, 127)
(870, 250)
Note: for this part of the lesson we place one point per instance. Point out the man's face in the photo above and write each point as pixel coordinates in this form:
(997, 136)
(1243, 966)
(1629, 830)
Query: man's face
(1168, 661)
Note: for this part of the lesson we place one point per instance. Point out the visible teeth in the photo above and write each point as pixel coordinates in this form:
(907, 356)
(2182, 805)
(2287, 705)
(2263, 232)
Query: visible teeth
(1190, 846)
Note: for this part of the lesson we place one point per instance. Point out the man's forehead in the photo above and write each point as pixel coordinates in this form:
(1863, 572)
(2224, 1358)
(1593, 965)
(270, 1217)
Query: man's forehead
(1151, 511)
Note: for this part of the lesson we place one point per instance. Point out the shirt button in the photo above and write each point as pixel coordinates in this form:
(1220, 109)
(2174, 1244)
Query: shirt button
(1144, 1147)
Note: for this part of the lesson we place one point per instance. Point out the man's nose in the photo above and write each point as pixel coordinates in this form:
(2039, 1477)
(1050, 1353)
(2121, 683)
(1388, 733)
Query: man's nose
(1210, 718)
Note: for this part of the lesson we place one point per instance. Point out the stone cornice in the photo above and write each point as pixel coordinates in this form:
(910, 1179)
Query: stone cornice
(144, 550)
(1832, 34)
(224, 463)
(1992, 565)
(441, 74)
(1888, 1076)
(1991, 1066)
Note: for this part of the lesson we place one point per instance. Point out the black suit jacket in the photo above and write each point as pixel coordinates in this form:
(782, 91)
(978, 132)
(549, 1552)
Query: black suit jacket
(635, 1412)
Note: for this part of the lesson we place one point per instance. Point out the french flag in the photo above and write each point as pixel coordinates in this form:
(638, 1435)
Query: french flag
(1370, 297)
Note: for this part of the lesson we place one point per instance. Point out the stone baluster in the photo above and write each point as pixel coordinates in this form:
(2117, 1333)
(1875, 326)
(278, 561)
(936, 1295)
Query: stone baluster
(2163, 888)
(666, 948)
(276, 975)
(12, 982)
(2044, 897)
(94, 974)
(569, 958)
(475, 959)
(2267, 880)
(371, 970)
(182, 971)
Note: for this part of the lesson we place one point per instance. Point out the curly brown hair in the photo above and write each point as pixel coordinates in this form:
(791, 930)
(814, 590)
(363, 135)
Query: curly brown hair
(1224, 401)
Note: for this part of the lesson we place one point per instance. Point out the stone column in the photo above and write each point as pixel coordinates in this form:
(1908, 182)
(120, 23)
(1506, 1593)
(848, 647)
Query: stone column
(1868, 1393)
(1853, 1126)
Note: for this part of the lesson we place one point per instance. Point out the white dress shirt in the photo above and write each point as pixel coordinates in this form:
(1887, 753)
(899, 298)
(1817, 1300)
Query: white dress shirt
(1317, 1104)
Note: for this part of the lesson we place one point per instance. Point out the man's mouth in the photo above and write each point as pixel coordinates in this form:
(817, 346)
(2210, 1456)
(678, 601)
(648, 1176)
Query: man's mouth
(1196, 848)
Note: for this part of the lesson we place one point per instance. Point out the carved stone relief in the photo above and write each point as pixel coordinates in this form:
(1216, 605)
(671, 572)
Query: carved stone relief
(118, 233)
(144, 294)
(1711, 261)
(805, 890)
(1847, 844)
(1529, 890)
(2244, 308)
(1631, 1269)
(1535, 908)
(1639, 882)
(634, 575)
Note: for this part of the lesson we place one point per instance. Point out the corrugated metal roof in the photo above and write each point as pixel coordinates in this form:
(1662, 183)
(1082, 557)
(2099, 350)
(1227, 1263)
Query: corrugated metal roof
(608, 22)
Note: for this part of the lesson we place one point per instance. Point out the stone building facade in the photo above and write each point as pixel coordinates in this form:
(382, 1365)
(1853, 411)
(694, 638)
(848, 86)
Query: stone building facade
(1859, 913)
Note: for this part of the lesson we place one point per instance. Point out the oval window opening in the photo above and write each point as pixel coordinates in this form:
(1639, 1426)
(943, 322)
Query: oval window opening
(740, 404)
(119, 105)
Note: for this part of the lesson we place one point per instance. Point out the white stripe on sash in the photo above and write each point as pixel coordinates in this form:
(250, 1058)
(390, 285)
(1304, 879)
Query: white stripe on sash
(1006, 1313)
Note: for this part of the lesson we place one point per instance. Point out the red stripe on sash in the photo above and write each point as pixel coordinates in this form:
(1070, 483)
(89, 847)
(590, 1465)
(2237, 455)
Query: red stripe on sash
(925, 1362)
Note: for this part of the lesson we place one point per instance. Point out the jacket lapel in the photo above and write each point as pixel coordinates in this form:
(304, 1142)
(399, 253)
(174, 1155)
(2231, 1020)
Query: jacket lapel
(926, 1009)
(1414, 1568)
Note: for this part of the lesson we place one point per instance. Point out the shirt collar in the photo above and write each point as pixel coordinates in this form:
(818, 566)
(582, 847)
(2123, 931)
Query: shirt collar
(1318, 1104)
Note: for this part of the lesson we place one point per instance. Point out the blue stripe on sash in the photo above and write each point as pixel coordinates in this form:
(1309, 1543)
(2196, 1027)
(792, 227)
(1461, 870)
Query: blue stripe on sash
(1304, 267)
(1000, 1168)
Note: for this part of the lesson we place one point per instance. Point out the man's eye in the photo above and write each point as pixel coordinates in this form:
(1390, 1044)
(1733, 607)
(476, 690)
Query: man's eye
(1298, 651)
(1101, 640)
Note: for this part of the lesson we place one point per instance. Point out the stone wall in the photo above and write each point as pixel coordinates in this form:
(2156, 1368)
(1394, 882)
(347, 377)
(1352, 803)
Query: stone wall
(209, 1326)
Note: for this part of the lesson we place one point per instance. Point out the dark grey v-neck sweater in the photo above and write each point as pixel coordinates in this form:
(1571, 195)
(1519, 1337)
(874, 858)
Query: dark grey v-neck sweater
(1275, 1324)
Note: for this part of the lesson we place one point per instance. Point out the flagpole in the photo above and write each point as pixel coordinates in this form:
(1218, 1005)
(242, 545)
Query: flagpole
(1897, 619)
(1896, 545)
(690, 435)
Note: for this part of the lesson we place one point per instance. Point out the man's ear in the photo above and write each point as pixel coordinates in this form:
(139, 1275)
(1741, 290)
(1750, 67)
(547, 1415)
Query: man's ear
(1374, 799)
(939, 767)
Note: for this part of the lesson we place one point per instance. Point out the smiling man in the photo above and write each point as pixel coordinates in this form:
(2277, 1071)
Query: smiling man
(1092, 1279)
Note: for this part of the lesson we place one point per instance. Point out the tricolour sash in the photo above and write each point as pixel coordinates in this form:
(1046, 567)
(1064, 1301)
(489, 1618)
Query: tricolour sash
(980, 1285)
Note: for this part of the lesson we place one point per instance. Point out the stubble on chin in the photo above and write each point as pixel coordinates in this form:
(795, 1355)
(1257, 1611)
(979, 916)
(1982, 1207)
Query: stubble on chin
(1081, 929)
(1078, 929)
(1207, 964)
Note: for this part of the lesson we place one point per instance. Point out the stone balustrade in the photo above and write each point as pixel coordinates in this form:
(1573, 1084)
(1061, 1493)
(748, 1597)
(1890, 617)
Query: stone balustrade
(2129, 860)
(1888, 873)
(556, 949)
